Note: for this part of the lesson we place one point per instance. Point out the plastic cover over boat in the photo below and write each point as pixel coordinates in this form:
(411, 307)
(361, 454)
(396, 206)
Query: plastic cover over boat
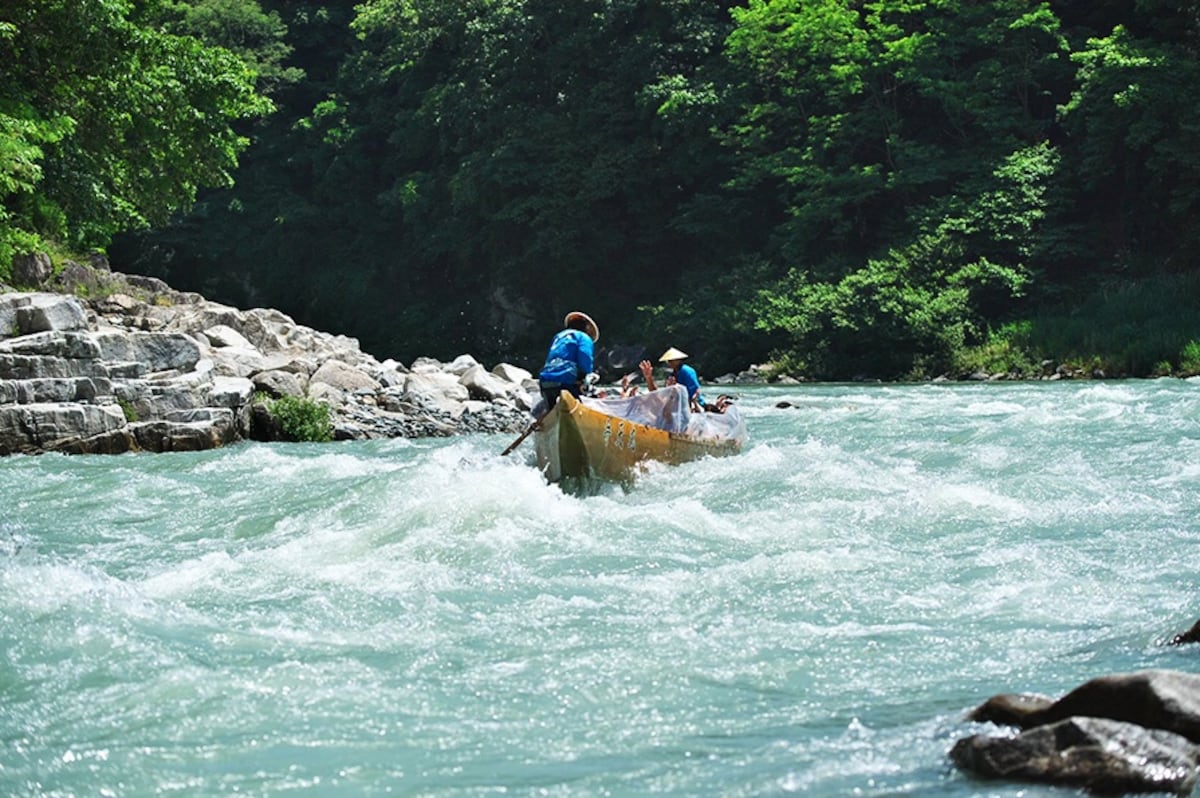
(667, 409)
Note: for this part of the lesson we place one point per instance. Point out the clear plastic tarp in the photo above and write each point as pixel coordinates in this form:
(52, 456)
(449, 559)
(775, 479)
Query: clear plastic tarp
(667, 409)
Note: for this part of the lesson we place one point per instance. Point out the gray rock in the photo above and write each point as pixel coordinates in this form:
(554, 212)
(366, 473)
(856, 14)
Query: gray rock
(342, 376)
(170, 436)
(32, 268)
(1190, 636)
(70, 345)
(182, 367)
(224, 335)
(230, 392)
(1104, 756)
(55, 313)
(30, 428)
(511, 373)
(75, 278)
(157, 351)
(1155, 699)
(461, 365)
(426, 365)
(277, 383)
(483, 385)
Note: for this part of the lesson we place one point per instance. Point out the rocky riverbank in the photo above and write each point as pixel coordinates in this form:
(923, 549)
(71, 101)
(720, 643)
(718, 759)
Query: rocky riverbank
(94, 361)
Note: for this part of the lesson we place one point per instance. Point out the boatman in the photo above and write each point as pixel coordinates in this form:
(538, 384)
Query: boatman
(683, 374)
(570, 359)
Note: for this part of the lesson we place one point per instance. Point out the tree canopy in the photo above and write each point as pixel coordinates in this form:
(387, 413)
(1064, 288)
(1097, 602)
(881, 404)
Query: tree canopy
(844, 186)
(107, 122)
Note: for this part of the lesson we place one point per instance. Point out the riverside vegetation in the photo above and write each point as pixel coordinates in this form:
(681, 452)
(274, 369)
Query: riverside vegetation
(885, 189)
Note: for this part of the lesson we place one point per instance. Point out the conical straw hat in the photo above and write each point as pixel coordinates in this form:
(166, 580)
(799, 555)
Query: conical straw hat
(672, 354)
(593, 328)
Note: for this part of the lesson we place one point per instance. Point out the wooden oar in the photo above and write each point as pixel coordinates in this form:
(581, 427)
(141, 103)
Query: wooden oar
(537, 422)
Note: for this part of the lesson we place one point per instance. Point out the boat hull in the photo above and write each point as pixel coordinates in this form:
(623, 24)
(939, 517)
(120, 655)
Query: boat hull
(578, 441)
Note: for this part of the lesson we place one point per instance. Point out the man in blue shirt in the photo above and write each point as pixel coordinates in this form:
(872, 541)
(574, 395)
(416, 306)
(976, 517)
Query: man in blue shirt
(570, 359)
(682, 373)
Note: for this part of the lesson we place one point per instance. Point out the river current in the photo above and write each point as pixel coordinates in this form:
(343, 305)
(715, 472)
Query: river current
(425, 617)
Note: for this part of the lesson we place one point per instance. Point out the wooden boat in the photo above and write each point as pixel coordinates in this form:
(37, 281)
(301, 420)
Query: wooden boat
(610, 439)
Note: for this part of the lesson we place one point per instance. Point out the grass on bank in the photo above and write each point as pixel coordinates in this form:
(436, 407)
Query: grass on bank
(1144, 328)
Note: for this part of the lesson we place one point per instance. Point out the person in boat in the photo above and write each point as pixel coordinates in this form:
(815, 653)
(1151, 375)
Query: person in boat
(570, 359)
(680, 372)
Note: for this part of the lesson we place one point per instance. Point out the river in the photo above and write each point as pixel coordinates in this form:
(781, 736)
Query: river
(425, 617)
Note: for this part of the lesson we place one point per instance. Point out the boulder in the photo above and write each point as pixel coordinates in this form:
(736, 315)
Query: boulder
(57, 426)
(342, 376)
(224, 335)
(157, 351)
(187, 436)
(51, 312)
(1007, 709)
(436, 387)
(484, 386)
(1105, 756)
(239, 361)
(511, 373)
(31, 268)
(276, 383)
(186, 370)
(1190, 636)
(75, 278)
(1155, 699)
(426, 365)
(461, 365)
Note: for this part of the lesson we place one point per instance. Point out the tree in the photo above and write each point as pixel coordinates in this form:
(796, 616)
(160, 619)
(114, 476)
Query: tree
(883, 130)
(1134, 127)
(115, 124)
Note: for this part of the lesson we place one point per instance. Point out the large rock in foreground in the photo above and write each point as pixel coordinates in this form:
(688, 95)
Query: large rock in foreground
(143, 367)
(1105, 756)
(1124, 733)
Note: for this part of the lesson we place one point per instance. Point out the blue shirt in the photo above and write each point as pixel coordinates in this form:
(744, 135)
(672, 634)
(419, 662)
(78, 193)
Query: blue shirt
(686, 376)
(569, 358)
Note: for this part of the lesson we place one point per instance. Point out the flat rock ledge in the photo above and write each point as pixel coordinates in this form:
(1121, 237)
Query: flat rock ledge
(1120, 734)
(137, 366)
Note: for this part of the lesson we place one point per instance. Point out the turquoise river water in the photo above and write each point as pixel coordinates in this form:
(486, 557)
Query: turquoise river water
(813, 617)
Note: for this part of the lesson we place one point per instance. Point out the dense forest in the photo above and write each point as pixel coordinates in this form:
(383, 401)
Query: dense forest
(896, 189)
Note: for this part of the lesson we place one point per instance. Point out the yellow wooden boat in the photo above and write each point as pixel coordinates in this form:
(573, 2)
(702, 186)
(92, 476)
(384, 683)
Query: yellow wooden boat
(608, 439)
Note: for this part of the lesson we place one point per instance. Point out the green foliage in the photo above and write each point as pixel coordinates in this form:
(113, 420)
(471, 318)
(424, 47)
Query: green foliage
(256, 36)
(912, 311)
(1135, 118)
(108, 123)
(1129, 327)
(302, 419)
(1189, 358)
(1006, 350)
(131, 415)
(874, 188)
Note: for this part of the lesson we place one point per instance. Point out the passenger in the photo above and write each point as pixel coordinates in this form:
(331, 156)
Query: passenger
(569, 361)
(682, 373)
(722, 404)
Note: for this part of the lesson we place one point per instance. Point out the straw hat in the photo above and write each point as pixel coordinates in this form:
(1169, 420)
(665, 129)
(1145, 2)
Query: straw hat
(672, 354)
(593, 328)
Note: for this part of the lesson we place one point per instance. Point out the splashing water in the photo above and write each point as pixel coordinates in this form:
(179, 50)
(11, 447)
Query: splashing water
(425, 617)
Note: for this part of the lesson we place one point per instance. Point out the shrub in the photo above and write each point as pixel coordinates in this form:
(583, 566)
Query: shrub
(302, 419)
(1189, 359)
(126, 406)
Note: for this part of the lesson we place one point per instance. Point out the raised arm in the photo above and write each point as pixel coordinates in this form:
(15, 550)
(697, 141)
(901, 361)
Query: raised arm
(648, 373)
